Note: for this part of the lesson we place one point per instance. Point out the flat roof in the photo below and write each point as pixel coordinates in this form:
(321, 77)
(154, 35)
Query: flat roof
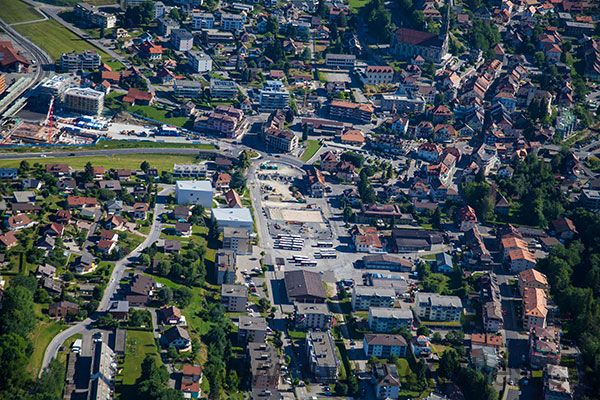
(232, 214)
(204, 185)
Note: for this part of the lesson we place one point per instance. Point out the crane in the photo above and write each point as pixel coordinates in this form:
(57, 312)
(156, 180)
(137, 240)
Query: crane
(49, 118)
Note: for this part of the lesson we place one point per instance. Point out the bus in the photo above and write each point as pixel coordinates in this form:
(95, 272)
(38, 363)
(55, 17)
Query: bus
(324, 244)
(308, 264)
(298, 257)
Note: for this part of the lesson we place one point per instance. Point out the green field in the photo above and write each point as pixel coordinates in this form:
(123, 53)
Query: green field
(311, 149)
(138, 344)
(41, 337)
(162, 162)
(73, 2)
(158, 115)
(12, 11)
(112, 144)
(356, 5)
(56, 39)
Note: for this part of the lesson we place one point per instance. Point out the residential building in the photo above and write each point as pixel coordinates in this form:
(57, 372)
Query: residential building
(223, 89)
(379, 75)
(420, 346)
(176, 337)
(225, 264)
(342, 109)
(170, 315)
(119, 310)
(194, 192)
(91, 16)
(322, 355)
(202, 21)
(199, 62)
(63, 309)
(103, 372)
(188, 89)
(84, 101)
(485, 360)
(304, 287)
(264, 366)
(315, 182)
(191, 375)
(535, 308)
(383, 345)
(18, 222)
(8, 173)
(365, 297)
(232, 22)
(387, 381)
(556, 383)
(181, 40)
(312, 316)
(189, 170)
(273, 96)
(238, 218)
(366, 239)
(532, 279)
(278, 140)
(544, 346)
(234, 298)
(340, 60)
(87, 60)
(387, 320)
(166, 26)
(252, 329)
(54, 87)
(437, 307)
(237, 240)
(443, 263)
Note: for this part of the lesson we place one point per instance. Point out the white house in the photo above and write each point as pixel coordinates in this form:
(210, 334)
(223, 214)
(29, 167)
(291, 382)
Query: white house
(239, 218)
(194, 192)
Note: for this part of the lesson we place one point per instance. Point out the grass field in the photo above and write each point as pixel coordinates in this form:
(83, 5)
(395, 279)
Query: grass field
(139, 343)
(12, 11)
(73, 2)
(112, 144)
(56, 39)
(356, 5)
(311, 149)
(159, 115)
(162, 162)
(41, 337)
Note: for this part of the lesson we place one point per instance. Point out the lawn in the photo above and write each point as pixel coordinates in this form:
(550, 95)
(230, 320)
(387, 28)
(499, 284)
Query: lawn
(41, 337)
(131, 242)
(356, 5)
(114, 144)
(139, 343)
(158, 115)
(311, 149)
(12, 11)
(162, 162)
(56, 39)
(403, 367)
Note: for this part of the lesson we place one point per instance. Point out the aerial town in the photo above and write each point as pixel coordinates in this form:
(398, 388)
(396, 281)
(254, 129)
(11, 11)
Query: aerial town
(300, 200)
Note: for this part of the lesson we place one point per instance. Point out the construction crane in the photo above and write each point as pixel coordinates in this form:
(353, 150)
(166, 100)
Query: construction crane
(49, 119)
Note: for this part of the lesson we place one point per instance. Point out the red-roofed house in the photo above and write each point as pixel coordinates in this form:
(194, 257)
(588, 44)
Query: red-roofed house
(136, 96)
(151, 51)
(190, 381)
(11, 60)
(467, 218)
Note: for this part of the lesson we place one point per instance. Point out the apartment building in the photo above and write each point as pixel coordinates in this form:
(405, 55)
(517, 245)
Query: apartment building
(222, 89)
(181, 40)
(387, 381)
(340, 60)
(89, 15)
(387, 320)
(87, 60)
(312, 316)
(278, 140)
(379, 75)
(437, 307)
(199, 62)
(55, 87)
(274, 96)
(188, 89)
(234, 298)
(202, 21)
(252, 329)
(232, 22)
(535, 308)
(189, 170)
(353, 111)
(322, 356)
(166, 26)
(544, 346)
(382, 345)
(532, 279)
(556, 383)
(365, 297)
(84, 100)
(225, 264)
(237, 240)
(264, 366)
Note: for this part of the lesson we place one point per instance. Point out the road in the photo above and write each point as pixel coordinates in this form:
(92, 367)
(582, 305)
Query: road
(113, 285)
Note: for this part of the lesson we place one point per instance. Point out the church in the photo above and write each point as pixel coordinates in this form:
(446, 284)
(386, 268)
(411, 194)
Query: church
(408, 43)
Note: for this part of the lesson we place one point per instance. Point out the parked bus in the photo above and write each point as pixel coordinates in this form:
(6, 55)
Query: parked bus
(324, 244)
(308, 264)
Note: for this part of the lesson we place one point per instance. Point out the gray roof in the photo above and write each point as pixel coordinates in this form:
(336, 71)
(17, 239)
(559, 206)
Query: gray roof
(175, 333)
(442, 259)
(322, 349)
(374, 291)
(384, 339)
(119, 306)
(393, 313)
(252, 323)
(435, 299)
(234, 290)
(302, 283)
(306, 308)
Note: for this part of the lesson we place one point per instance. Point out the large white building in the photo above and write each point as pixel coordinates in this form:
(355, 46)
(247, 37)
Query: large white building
(274, 96)
(437, 307)
(194, 192)
(387, 320)
(232, 22)
(365, 297)
(239, 218)
(202, 21)
(199, 61)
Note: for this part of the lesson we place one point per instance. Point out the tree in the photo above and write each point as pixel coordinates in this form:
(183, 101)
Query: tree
(341, 20)
(88, 173)
(213, 231)
(306, 54)
(183, 296)
(17, 315)
(353, 385)
(272, 25)
(106, 194)
(15, 351)
(145, 166)
(365, 189)
(423, 330)
(448, 363)
(238, 180)
(175, 15)
(348, 214)
(23, 167)
(163, 268)
(322, 9)
(304, 132)
(356, 159)
(244, 159)
(106, 322)
(165, 295)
